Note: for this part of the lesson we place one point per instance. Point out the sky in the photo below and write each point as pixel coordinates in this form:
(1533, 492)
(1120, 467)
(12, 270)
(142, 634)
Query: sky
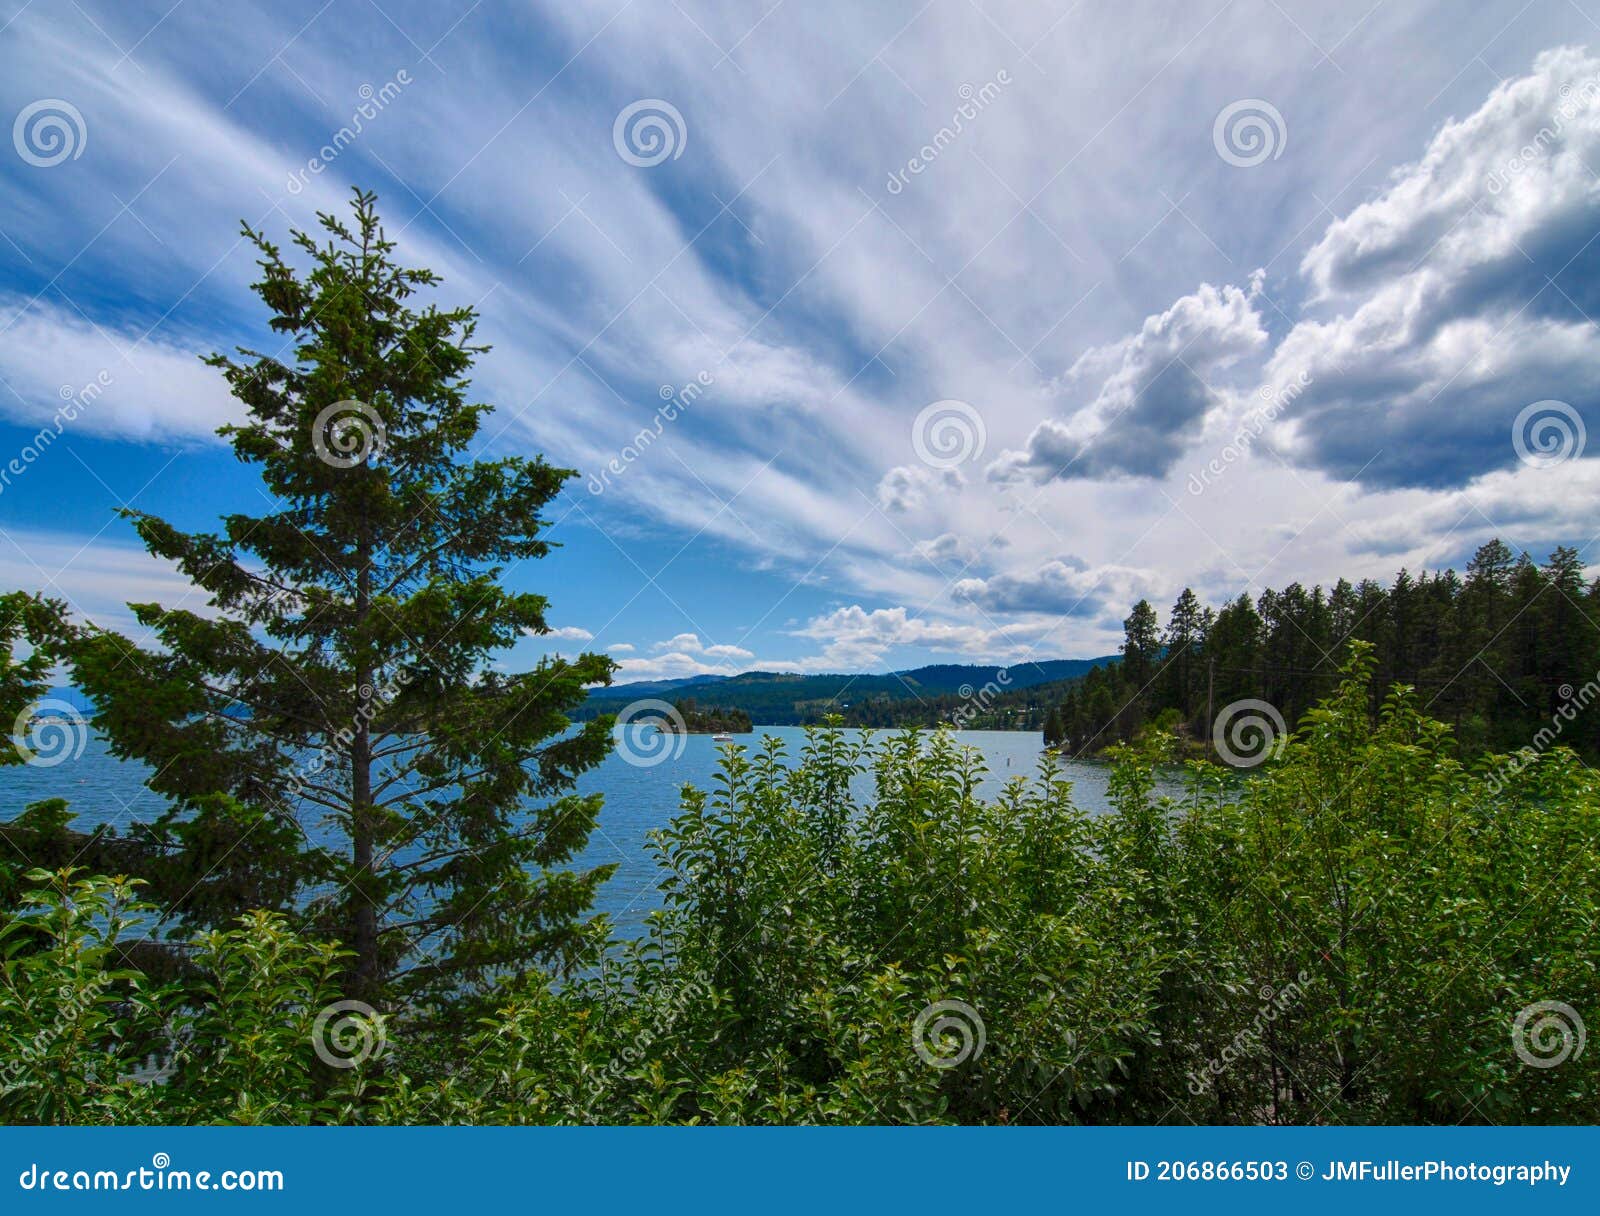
(954, 327)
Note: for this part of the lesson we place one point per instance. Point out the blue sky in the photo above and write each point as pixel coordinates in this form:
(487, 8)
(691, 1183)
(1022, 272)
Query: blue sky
(1004, 314)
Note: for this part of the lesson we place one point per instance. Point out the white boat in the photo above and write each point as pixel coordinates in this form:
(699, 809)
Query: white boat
(722, 737)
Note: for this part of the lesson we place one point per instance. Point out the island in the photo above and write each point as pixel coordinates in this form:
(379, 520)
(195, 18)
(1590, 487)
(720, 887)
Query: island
(693, 719)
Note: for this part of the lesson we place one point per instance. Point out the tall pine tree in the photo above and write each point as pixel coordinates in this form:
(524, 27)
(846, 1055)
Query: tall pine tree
(334, 718)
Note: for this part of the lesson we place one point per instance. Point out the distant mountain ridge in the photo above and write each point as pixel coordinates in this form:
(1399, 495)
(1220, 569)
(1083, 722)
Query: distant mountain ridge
(777, 698)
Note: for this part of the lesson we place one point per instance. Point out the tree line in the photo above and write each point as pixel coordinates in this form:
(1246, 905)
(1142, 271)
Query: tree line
(1498, 653)
(700, 719)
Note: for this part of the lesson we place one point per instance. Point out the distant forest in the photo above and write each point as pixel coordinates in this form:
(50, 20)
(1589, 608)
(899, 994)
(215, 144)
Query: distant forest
(929, 695)
(1498, 654)
(708, 719)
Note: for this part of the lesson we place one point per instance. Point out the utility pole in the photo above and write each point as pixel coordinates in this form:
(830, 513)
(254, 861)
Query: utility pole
(1211, 687)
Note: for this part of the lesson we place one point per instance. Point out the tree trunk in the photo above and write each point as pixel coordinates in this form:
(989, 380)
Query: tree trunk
(367, 978)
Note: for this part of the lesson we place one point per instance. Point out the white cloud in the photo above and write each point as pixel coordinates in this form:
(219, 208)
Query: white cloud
(907, 487)
(690, 643)
(679, 642)
(96, 578)
(858, 637)
(1469, 285)
(1150, 389)
(1064, 587)
(569, 633)
(951, 548)
(126, 384)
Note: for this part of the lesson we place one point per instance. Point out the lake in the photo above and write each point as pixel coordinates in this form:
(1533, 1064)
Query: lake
(638, 799)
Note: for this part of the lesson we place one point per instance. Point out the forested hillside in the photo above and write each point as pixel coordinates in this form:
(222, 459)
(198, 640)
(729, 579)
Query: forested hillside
(1501, 653)
(923, 696)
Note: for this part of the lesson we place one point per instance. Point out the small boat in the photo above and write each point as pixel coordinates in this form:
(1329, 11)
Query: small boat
(722, 737)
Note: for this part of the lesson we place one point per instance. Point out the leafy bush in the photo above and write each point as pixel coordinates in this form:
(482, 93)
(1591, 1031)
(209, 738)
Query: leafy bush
(1364, 930)
(1348, 936)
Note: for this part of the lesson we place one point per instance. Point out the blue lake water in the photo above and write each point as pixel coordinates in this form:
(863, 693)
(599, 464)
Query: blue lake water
(638, 799)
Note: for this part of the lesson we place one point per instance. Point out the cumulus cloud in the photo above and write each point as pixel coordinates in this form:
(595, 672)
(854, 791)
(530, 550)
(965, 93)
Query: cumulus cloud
(1066, 586)
(690, 643)
(569, 633)
(1151, 392)
(682, 641)
(907, 487)
(856, 636)
(952, 547)
(1527, 507)
(1466, 290)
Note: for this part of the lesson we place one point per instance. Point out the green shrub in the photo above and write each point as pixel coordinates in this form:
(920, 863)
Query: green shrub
(1363, 930)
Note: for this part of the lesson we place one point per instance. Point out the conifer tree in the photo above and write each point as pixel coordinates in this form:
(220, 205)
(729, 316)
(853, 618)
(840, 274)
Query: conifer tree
(334, 720)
